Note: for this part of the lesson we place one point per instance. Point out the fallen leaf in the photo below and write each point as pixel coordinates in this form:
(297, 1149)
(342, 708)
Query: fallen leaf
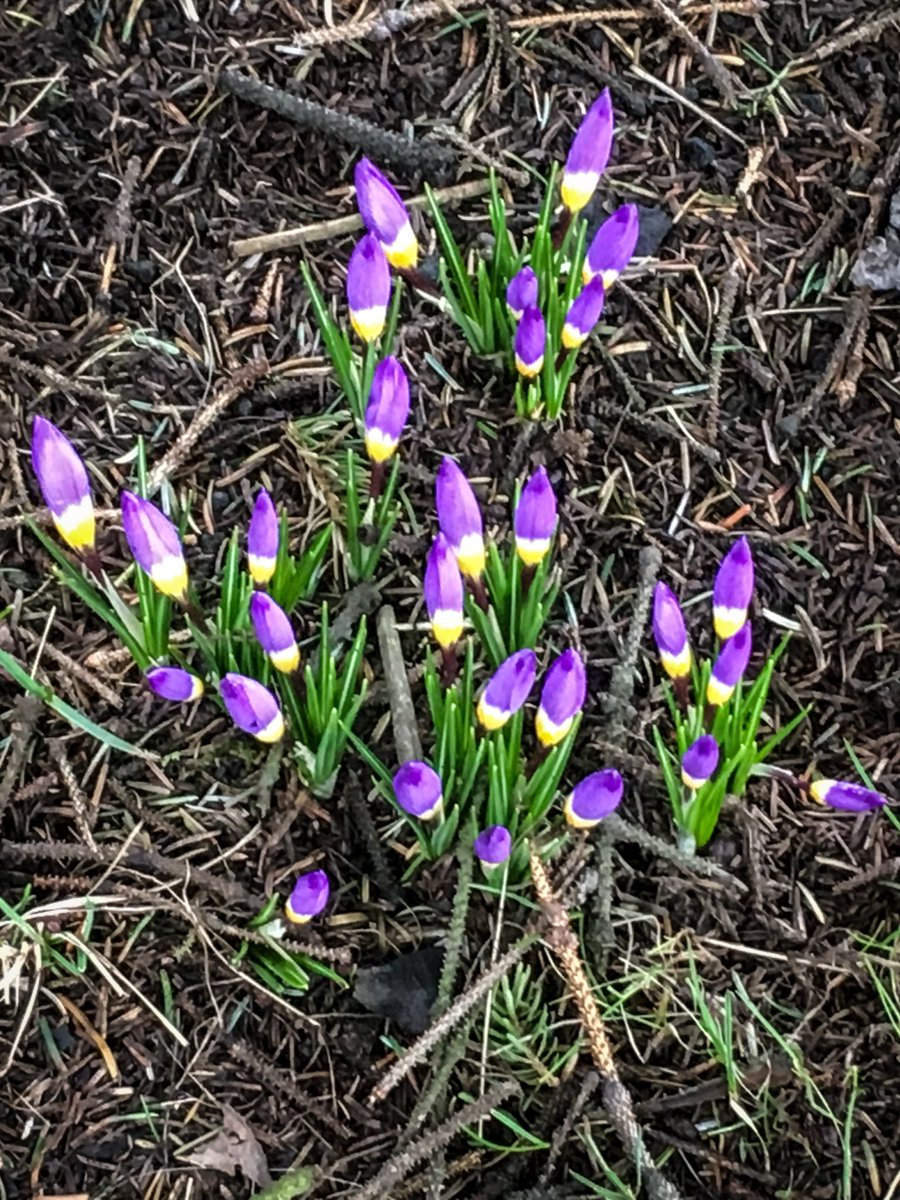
(235, 1145)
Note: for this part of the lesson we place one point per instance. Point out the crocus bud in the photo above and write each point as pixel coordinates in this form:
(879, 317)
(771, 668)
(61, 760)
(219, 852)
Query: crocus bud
(733, 590)
(729, 666)
(492, 847)
(534, 521)
(584, 313)
(274, 632)
(849, 797)
(562, 698)
(507, 689)
(155, 544)
(444, 593)
(460, 518)
(384, 214)
(530, 340)
(262, 539)
(612, 247)
(418, 790)
(588, 154)
(172, 683)
(64, 484)
(670, 633)
(699, 762)
(387, 410)
(522, 292)
(594, 798)
(308, 897)
(368, 288)
(252, 707)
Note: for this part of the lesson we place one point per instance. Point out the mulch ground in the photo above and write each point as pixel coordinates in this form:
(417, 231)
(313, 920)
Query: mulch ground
(746, 385)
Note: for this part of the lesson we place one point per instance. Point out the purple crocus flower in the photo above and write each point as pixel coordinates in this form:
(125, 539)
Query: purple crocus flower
(172, 683)
(729, 666)
(562, 698)
(368, 288)
(155, 544)
(507, 689)
(530, 340)
(612, 247)
(493, 846)
(385, 215)
(598, 795)
(699, 762)
(534, 521)
(584, 313)
(460, 518)
(262, 539)
(588, 154)
(387, 410)
(849, 797)
(670, 633)
(64, 484)
(522, 292)
(418, 790)
(252, 707)
(733, 590)
(444, 593)
(274, 632)
(308, 897)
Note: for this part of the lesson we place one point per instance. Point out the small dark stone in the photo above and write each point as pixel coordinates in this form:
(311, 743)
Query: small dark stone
(655, 223)
(403, 989)
(815, 102)
(699, 153)
(141, 269)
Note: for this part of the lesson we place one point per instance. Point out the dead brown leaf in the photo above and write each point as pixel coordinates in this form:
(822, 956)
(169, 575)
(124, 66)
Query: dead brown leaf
(235, 1145)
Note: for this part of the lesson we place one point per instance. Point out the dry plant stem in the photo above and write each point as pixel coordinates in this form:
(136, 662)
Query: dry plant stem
(719, 74)
(75, 669)
(403, 712)
(321, 231)
(617, 702)
(26, 710)
(624, 831)
(309, 114)
(361, 815)
(560, 1138)
(611, 16)
(867, 32)
(457, 932)
(134, 858)
(727, 298)
(460, 1008)
(857, 312)
(240, 382)
(281, 1083)
(459, 1166)
(616, 1097)
(398, 1167)
(434, 1091)
(379, 25)
(80, 802)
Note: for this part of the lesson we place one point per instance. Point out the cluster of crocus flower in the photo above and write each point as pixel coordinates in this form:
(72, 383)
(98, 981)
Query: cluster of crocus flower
(731, 600)
(457, 554)
(609, 252)
(156, 546)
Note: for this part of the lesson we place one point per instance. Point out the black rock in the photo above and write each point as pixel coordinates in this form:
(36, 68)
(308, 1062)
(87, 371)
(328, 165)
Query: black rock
(655, 223)
(699, 153)
(403, 989)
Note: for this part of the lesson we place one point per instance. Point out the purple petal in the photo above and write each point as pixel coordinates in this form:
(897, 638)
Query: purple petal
(384, 214)
(534, 521)
(64, 483)
(418, 790)
(308, 897)
(274, 632)
(172, 683)
(522, 291)
(507, 689)
(444, 592)
(460, 517)
(530, 340)
(699, 761)
(155, 544)
(387, 410)
(252, 707)
(262, 539)
(562, 697)
(733, 589)
(594, 798)
(584, 313)
(368, 288)
(493, 845)
(848, 797)
(589, 153)
(613, 245)
(730, 665)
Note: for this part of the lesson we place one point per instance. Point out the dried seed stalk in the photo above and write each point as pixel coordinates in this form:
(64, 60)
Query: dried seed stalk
(616, 1097)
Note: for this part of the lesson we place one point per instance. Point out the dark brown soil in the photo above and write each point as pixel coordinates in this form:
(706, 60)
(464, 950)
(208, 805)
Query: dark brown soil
(119, 148)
